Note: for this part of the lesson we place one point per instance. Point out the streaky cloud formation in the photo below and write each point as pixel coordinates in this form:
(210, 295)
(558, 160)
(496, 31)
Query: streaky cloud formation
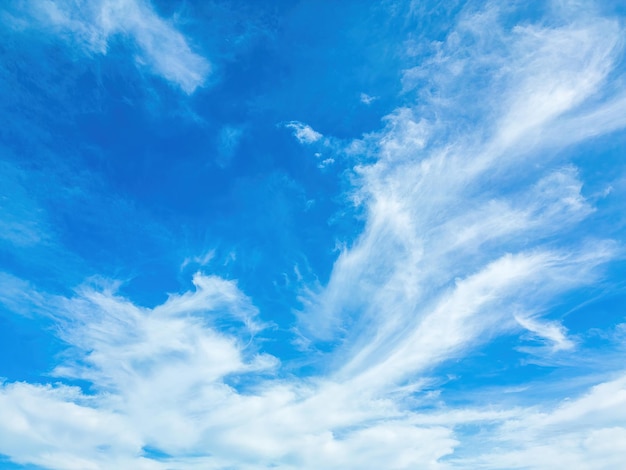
(91, 25)
(468, 318)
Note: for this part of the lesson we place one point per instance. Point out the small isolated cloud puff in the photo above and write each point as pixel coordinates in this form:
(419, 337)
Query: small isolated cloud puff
(162, 48)
(367, 99)
(303, 132)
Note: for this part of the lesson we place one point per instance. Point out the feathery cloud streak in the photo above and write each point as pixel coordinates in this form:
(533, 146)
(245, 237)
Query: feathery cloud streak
(430, 221)
(91, 25)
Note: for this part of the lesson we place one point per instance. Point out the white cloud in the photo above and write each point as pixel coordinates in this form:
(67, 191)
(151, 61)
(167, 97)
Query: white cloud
(164, 378)
(476, 308)
(367, 99)
(198, 260)
(447, 200)
(327, 161)
(556, 70)
(462, 215)
(553, 332)
(43, 425)
(585, 433)
(303, 132)
(160, 46)
(466, 237)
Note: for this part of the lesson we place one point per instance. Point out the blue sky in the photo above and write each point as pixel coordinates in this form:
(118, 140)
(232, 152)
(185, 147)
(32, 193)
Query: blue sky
(307, 234)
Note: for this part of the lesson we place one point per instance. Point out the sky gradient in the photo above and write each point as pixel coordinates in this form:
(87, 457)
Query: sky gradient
(312, 235)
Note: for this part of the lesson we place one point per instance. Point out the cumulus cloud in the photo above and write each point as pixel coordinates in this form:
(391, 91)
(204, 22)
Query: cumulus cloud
(160, 46)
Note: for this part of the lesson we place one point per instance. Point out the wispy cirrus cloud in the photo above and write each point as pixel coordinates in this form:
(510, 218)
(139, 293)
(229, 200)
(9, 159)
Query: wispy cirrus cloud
(91, 25)
(172, 379)
(165, 384)
(127, 353)
(441, 203)
(551, 332)
(585, 432)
